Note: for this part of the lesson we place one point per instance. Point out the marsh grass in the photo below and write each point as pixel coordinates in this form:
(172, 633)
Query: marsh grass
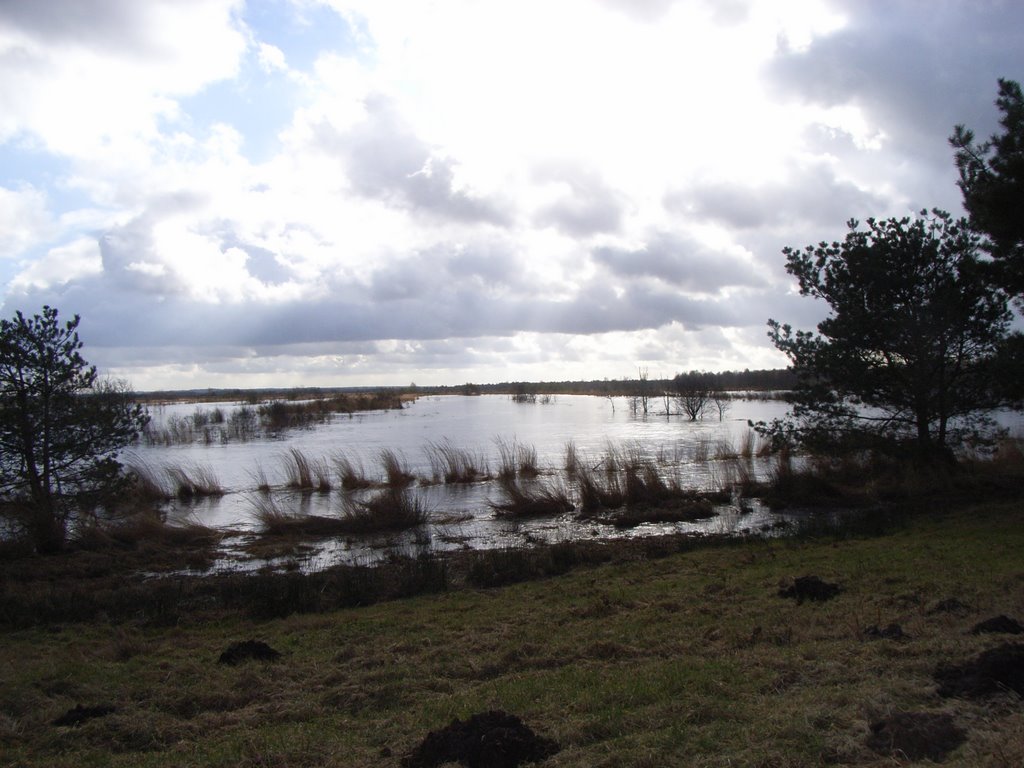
(193, 481)
(396, 469)
(724, 449)
(455, 465)
(145, 482)
(275, 520)
(305, 474)
(391, 509)
(531, 499)
(516, 459)
(748, 444)
(146, 527)
(260, 480)
(350, 472)
(702, 449)
(572, 464)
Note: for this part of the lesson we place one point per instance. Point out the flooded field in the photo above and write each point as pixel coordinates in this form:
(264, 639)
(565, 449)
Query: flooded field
(455, 450)
(455, 460)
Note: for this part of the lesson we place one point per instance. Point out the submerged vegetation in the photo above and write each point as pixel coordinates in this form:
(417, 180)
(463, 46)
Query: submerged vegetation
(261, 420)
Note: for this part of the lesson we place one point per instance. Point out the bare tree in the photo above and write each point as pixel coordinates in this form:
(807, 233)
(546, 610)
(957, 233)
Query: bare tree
(693, 394)
(640, 402)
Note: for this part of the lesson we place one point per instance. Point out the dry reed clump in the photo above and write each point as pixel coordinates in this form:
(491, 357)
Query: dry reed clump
(305, 474)
(455, 465)
(724, 449)
(392, 509)
(573, 462)
(259, 479)
(597, 492)
(274, 520)
(396, 469)
(701, 450)
(514, 459)
(631, 491)
(194, 481)
(145, 483)
(536, 499)
(350, 472)
(147, 527)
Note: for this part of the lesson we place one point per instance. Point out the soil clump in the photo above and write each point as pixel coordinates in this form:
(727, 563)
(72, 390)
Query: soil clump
(79, 714)
(998, 625)
(810, 588)
(889, 632)
(916, 736)
(993, 671)
(247, 650)
(492, 739)
(950, 605)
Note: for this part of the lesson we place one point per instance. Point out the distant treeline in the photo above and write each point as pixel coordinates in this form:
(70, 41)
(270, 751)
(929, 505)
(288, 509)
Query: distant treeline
(726, 381)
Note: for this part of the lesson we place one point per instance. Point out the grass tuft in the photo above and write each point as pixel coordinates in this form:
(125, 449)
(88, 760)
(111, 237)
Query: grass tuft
(536, 499)
(193, 482)
(351, 473)
(392, 509)
(455, 465)
(396, 469)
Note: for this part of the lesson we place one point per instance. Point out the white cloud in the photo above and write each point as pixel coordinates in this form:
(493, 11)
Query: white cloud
(271, 58)
(98, 84)
(61, 265)
(25, 220)
(461, 190)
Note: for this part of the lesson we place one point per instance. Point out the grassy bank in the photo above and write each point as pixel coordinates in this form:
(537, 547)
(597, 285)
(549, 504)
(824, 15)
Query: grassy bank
(691, 658)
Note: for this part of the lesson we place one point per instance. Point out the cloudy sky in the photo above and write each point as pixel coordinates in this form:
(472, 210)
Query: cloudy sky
(357, 192)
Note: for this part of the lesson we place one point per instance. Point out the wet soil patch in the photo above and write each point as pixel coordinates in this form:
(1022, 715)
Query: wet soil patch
(996, 670)
(916, 736)
(810, 588)
(246, 650)
(998, 625)
(492, 739)
(79, 714)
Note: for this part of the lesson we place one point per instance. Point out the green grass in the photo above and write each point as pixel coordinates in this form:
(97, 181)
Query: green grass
(686, 659)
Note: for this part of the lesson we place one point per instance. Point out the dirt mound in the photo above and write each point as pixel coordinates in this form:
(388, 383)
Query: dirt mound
(997, 624)
(810, 588)
(950, 605)
(246, 650)
(997, 669)
(79, 714)
(889, 632)
(493, 739)
(916, 736)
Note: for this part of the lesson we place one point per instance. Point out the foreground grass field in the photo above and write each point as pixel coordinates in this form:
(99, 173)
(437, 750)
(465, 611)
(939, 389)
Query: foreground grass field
(691, 659)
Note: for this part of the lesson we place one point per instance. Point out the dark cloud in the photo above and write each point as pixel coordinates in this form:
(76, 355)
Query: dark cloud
(916, 67)
(103, 22)
(122, 25)
(679, 262)
(486, 267)
(386, 160)
(590, 206)
(814, 196)
(123, 318)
